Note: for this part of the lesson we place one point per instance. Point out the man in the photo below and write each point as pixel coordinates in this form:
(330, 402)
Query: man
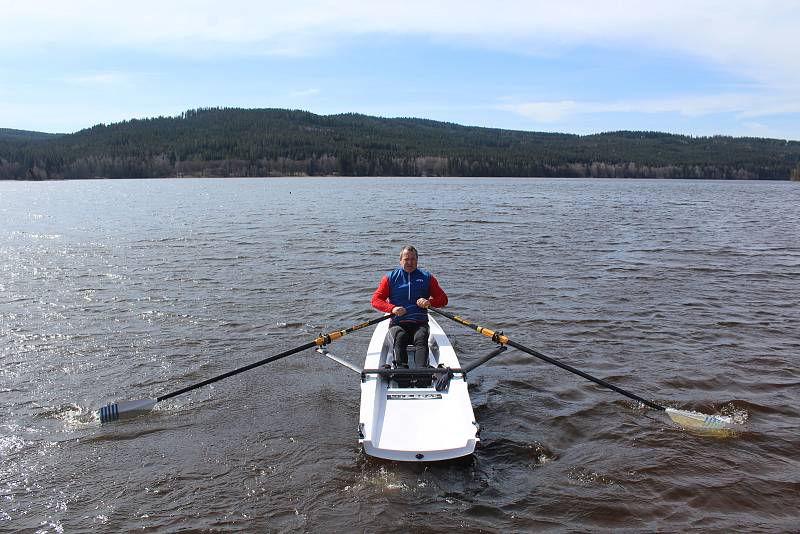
(407, 292)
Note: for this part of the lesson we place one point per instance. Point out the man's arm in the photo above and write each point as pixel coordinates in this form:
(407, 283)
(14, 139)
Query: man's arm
(380, 299)
(438, 298)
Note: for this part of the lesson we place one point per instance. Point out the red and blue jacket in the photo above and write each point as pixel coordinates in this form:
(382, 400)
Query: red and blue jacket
(399, 288)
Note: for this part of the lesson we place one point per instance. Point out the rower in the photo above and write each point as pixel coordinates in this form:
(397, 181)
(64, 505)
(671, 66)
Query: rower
(407, 292)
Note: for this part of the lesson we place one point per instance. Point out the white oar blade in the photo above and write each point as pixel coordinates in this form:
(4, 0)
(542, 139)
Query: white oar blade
(699, 421)
(119, 410)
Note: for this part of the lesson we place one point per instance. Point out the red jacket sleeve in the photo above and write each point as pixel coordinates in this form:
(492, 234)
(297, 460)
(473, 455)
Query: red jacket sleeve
(438, 296)
(380, 299)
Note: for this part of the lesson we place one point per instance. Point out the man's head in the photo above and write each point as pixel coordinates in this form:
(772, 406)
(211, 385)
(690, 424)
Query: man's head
(408, 258)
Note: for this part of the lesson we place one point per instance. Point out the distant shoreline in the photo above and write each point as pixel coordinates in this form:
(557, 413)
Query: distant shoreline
(333, 176)
(277, 142)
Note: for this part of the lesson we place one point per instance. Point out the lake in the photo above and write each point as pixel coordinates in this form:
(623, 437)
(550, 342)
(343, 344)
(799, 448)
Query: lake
(684, 292)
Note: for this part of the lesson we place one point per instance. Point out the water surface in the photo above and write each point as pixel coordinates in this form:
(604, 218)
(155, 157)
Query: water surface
(684, 292)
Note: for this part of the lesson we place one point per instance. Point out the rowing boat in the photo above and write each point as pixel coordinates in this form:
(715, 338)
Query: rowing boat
(419, 414)
(415, 421)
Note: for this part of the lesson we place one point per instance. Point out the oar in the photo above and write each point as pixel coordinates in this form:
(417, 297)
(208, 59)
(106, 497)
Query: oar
(114, 411)
(686, 419)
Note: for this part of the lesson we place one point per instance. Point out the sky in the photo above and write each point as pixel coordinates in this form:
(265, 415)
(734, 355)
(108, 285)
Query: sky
(696, 67)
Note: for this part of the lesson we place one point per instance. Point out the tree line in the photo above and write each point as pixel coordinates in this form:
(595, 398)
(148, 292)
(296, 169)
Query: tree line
(278, 142)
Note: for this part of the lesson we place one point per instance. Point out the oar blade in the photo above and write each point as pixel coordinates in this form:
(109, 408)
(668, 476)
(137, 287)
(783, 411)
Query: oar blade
(699, 421)
(119, 410)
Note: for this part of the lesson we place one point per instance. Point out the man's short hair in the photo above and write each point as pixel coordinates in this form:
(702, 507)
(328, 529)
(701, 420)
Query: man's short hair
(409, 248)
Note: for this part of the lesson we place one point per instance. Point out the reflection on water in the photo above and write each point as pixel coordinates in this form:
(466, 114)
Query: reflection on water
(682, 292)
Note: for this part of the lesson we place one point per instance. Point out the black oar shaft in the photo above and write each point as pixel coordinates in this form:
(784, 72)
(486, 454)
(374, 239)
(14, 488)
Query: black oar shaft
(237, 371)
(498, 337)
(318, 342)
(587, 376)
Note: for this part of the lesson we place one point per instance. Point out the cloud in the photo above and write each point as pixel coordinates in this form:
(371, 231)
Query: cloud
(97, 79)
(741, 105)
(304, 93)
(546, 112)
(755, 38)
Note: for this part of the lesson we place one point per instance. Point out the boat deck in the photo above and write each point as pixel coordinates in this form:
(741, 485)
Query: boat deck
(416, 423)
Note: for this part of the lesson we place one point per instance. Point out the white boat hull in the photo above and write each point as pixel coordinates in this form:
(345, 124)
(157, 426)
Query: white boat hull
(415, 424)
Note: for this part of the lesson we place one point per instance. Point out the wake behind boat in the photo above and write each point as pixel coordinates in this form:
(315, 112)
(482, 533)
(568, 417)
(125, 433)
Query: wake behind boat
(403, 415)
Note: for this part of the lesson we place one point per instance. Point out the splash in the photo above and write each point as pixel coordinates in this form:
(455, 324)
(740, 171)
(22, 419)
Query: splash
(72, 415)
(382, 480)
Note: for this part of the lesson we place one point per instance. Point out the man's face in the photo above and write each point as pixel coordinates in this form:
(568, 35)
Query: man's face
(408, 261)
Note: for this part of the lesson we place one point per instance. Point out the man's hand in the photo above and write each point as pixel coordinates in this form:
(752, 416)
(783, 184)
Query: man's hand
(423, 303)
(399, 311)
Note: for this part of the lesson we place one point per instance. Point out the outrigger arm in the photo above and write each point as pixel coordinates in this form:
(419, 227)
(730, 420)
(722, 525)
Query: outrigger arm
(442, 375)
(324, 351)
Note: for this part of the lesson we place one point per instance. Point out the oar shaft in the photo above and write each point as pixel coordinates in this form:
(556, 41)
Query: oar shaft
(237, 371)
(587, 376)
(318, 342)
(498, 337)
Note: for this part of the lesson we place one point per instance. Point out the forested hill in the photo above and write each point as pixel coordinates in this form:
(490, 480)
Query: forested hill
(8, 133)
(275, 142)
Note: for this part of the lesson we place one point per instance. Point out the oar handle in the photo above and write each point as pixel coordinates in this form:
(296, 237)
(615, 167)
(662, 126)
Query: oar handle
(318, 342)
(498, 337)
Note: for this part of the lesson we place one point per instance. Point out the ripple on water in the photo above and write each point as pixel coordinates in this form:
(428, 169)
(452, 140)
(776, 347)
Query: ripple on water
(131, 289)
